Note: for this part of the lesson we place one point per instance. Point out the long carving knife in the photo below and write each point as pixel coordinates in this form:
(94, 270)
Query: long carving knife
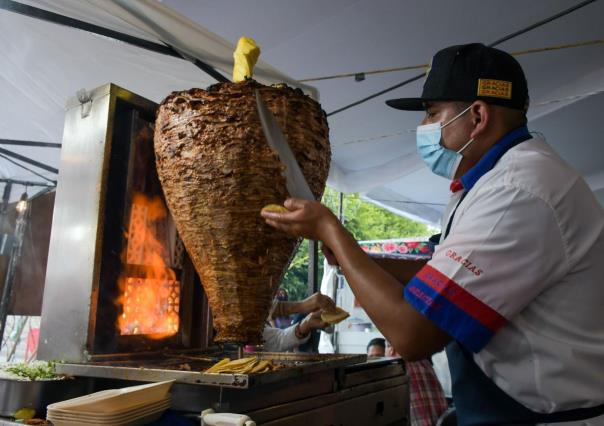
(294, 178)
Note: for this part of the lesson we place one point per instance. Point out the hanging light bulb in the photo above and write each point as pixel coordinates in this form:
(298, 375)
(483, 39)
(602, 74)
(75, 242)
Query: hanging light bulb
(22, 203)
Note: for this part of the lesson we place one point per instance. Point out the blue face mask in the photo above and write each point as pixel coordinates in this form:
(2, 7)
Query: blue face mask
(442, 161)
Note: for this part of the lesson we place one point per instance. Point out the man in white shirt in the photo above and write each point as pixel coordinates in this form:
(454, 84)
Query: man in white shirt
(515, 287)
(288, 339)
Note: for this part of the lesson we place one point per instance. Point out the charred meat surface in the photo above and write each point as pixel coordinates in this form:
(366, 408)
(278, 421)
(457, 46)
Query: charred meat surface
(217, 172)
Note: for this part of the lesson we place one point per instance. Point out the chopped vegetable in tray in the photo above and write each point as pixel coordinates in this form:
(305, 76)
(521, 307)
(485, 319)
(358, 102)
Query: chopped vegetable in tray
(36, 370)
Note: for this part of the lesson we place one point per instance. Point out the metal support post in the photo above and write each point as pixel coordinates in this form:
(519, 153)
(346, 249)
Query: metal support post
(20, 225)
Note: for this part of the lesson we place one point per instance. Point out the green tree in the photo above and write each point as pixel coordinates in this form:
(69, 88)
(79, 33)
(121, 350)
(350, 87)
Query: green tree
(296, 278)
(365, 221)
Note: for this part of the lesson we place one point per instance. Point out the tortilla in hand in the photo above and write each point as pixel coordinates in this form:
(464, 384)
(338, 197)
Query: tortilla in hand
(335, 317)
(274, 208)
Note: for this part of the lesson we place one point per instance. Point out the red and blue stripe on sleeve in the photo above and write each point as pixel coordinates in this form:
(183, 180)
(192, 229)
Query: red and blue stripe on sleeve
(466, 318)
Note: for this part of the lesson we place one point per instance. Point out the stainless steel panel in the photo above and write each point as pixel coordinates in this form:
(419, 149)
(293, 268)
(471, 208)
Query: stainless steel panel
(374, 369)
(72, 269)
(384, 407)
(379, 402)
(72, 277)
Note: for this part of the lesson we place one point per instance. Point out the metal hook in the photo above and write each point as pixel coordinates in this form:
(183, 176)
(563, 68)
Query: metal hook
(85, 99)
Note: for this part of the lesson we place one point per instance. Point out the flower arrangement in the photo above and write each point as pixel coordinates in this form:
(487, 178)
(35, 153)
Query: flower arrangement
(396, 247)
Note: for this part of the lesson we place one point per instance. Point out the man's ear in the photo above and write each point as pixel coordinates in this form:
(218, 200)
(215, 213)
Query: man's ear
(480, 114)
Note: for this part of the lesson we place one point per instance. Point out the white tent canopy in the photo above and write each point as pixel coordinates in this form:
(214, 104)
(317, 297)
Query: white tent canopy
(46, 64)
(373, 146)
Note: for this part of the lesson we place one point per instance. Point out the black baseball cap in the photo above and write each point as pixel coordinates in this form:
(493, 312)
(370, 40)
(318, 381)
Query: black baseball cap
(470, 72)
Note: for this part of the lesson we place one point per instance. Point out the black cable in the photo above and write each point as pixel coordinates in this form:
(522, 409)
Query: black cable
(375, 95)
(495, 43)
(54, 182)
(540, 23)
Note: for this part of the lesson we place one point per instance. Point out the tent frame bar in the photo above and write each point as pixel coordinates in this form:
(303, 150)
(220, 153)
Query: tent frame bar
(28, 160)
(26, 183)
(45, 15)
(29, 143)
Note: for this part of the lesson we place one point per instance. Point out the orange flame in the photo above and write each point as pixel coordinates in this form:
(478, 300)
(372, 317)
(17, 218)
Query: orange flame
(150, 300)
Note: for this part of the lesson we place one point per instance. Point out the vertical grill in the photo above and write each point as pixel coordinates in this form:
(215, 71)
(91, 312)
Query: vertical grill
(114, 246)
(130, 286)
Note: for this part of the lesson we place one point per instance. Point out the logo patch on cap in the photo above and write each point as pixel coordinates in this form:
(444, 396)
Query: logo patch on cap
(494, 88)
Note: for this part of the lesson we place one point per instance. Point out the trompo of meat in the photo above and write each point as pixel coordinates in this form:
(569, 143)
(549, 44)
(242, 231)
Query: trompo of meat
(217, 172)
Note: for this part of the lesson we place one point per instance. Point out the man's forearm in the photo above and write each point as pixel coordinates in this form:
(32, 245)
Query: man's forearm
(285, 309)
(401, 269)
(380, 295)
(379, 292)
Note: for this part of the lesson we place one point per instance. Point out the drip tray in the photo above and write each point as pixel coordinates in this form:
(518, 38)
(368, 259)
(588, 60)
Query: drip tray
(188, 367)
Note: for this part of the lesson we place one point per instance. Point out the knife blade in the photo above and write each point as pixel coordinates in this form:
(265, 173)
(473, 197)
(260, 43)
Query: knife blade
(294, 178)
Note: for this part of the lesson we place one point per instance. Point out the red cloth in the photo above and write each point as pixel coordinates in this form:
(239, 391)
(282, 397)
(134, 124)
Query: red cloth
(427, 399)
(456, 185)
(32, 343)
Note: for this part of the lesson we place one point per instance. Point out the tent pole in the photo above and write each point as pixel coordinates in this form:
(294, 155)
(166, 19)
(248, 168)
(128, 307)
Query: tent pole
(334, 293)
(313, 266)
(15, 256)
(8, 188)
(313, 284)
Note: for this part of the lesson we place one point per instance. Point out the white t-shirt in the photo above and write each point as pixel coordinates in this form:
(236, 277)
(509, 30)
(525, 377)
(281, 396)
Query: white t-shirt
(281, 340)
(520, 280)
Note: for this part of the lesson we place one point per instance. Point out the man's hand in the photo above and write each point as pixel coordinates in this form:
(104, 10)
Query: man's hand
(318, 302)
(312, 321)
(307, 219)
